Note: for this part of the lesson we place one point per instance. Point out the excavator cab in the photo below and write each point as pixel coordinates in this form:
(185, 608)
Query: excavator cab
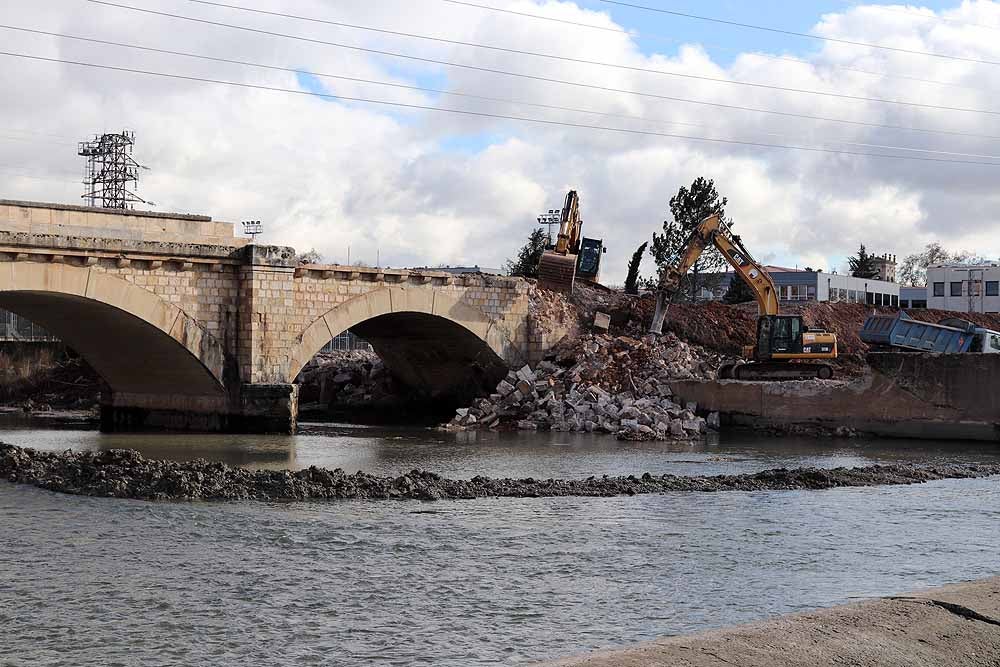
(782, 338)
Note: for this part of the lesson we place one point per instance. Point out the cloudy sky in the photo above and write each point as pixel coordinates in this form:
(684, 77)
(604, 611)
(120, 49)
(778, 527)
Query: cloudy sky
(417, 186)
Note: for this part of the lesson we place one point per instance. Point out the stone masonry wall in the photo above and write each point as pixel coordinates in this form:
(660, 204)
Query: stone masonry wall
(84, 221)
(319, 289)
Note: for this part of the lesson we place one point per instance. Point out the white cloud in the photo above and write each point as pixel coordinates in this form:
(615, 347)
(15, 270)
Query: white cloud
(419, 187)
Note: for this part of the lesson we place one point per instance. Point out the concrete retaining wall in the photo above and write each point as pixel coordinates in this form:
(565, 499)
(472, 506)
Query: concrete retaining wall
(906, 395)
(955, 625)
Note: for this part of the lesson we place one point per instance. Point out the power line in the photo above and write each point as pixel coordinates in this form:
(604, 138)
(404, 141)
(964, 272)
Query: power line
(341, 77)
(929, 17)
(581, 61)
(483, 114)
(534, 77)
(33, 140)
(18, 171)
(721, 47)
(781, 31)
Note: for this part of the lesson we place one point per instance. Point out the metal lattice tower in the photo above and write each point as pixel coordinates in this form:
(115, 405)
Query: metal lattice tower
(110, 171)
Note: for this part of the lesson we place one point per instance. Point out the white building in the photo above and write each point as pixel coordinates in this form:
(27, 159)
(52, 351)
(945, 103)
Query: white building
(964, 287)
(843, 287)
(802, 285)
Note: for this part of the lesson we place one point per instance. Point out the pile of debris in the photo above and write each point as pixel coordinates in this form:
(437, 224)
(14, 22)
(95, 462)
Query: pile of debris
(602, 383)
(345, 378)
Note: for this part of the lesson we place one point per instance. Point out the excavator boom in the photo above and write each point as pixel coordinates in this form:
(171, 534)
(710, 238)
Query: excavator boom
(713, 231)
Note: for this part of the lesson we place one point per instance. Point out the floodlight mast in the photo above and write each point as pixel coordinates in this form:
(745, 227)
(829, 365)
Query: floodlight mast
(553, 217)
(252, 228)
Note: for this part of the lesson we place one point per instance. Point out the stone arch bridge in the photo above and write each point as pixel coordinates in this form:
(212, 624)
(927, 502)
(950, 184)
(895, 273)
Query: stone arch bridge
(193, 329)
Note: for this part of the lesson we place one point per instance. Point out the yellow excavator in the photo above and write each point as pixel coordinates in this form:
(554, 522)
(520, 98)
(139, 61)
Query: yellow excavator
(572, 256)
(780, 338)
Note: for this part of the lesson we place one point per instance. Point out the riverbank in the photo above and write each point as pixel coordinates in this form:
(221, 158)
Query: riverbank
(122, 473)
(950, 625)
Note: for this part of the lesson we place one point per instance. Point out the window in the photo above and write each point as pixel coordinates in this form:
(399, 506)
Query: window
(995, 342)
(993, 288)
(895, 301)
(938, 289)
(918, 303)
(842, 295)
(956, 289)
(852, 296)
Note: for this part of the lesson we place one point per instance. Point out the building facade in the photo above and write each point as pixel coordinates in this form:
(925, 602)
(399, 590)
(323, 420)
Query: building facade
(886, 267)
(912, 297)
(802, 285)
(964, 288)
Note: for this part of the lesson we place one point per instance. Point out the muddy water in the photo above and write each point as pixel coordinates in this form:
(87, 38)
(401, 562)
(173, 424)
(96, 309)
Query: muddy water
(101, 581)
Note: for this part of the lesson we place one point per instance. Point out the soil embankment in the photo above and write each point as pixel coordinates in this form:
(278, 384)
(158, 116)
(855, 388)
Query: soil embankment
(955, 625)
(127, 474)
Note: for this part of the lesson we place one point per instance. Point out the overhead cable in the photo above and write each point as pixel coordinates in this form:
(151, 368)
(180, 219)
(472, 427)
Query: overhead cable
(483, 114)
(534, 77)
(756, 54)
(437, 91)
(781, 31)
(580, 61)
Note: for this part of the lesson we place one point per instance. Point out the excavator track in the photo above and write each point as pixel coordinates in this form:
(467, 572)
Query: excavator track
(774, 371)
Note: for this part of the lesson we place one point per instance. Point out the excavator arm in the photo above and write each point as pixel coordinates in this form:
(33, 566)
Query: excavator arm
(712, 231)
(570, 225)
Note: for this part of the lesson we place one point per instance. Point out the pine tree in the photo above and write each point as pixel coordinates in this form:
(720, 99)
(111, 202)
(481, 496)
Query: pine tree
(739, 291)
(632, 278)
(528, 257)
(863, 265)
(688, 208)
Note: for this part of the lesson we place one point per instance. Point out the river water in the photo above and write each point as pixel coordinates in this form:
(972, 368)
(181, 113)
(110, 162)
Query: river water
(483, 582)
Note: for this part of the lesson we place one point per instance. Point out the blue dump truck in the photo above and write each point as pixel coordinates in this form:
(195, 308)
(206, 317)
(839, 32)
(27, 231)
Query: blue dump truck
(950, 335)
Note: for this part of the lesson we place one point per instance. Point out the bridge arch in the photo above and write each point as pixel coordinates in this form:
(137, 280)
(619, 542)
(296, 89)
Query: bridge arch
(429, 338)
(136, 341)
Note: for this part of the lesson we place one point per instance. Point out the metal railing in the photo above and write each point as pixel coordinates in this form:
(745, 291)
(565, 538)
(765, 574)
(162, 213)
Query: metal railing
(346, 341)
(13, 327)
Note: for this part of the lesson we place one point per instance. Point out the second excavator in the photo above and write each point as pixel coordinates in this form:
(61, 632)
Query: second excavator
(780, 339)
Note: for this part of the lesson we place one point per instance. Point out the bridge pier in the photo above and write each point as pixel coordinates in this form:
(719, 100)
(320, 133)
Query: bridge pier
(260, 408)
(267, 408)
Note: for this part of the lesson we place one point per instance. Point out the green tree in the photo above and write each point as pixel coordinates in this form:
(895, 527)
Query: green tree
(312, 256)
(738, 291)
(862, 264)
(632, 278)
(525, 264)
(688, 208)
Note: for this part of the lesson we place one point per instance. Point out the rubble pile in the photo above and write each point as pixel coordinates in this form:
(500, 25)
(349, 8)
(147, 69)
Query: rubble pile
(344, 378)
(602, 383)
(123, 473)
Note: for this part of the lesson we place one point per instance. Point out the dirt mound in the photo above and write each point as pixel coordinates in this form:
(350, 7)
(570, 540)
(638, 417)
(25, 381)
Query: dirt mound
(121, 473)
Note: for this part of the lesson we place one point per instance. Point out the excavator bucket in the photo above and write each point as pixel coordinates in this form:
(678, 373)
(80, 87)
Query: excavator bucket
(557, 272)
(557, 268)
